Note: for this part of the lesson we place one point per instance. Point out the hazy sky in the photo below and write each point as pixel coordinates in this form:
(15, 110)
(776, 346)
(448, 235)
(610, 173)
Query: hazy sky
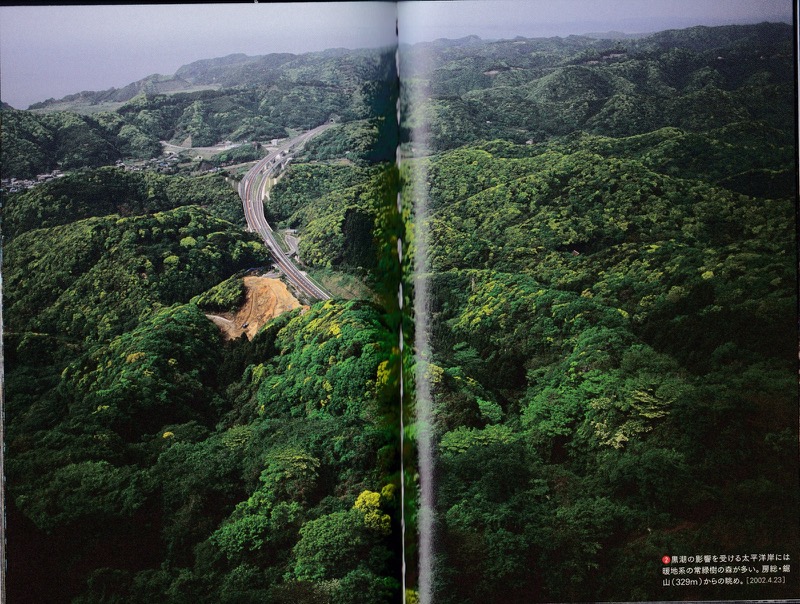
(544, 18)
(52, 51)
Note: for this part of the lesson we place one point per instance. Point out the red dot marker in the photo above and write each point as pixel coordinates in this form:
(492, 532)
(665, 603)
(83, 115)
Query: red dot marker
(666, 559)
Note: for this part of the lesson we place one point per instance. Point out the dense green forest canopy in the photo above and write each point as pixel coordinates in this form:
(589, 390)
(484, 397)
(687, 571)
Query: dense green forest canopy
(105, 191)
(156, 451)
(611, 244)
(611, 269)
(252, 98)
(533, 89)
(148, 458)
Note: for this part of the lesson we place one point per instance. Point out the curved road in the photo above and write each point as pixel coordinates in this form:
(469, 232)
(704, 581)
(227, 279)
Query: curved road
(252, 189)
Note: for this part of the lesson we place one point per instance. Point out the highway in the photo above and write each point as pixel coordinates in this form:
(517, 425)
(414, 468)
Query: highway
(252, 189)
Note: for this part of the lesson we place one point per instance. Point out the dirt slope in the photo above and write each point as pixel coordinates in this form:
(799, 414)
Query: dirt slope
(266, 298)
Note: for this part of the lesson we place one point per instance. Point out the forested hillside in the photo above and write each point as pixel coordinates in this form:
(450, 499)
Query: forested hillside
(610, 240)
(533, 89)
(252, 98)
(148, 459)
(610, 227)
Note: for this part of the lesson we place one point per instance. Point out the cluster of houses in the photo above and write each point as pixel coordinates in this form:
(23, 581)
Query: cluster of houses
(15, 185)
(165, 164)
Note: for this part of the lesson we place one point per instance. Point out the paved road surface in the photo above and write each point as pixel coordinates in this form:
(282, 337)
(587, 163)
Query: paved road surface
(252, 189)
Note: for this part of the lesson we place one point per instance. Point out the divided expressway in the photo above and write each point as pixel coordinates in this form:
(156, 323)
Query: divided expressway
(252, 189)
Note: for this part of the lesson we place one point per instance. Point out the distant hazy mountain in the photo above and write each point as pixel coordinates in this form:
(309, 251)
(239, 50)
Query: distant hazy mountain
(520, 89)
(235, 69)
(237, 97)
(225, 72)
(613, 35)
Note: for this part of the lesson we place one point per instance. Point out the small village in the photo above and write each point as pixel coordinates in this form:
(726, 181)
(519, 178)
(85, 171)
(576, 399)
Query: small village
(15, 185)
(165, 164)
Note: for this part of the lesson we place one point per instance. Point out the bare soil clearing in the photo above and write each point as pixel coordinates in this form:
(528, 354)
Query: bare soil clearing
(266, 299)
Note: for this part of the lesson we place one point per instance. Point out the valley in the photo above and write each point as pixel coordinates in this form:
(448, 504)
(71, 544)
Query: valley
(587, 244)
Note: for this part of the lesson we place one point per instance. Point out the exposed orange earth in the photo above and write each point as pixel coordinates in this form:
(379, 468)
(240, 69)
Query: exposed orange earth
(266, 299)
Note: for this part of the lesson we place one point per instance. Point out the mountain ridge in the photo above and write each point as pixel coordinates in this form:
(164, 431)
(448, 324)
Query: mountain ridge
(228, 71)
(242, 69)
